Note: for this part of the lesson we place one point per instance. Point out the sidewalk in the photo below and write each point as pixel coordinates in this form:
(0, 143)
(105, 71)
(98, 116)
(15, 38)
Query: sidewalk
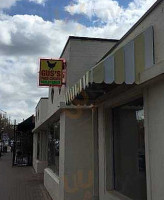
(20, 183)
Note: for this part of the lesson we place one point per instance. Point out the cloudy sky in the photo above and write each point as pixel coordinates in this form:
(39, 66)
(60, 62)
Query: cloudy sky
(31, 29)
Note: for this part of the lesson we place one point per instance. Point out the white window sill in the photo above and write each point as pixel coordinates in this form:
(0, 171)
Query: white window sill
(114, 195)
(52, 175)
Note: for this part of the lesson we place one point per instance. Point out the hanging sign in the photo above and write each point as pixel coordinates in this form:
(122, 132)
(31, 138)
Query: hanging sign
(51, 72)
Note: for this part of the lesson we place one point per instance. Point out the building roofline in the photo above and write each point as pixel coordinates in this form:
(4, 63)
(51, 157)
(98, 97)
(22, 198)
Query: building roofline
(40, 100)
(26, 120)
(85, 38)
(92, 38)
(132, 28)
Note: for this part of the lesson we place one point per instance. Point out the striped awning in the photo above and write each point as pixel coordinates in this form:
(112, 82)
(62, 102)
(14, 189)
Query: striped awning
(122, 66)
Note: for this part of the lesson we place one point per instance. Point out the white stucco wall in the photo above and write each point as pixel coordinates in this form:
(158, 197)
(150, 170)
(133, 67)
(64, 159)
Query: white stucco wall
(154, 104)
(51, 182)
(42, 109)
(55, 105)
(76, 155)
(84, 54)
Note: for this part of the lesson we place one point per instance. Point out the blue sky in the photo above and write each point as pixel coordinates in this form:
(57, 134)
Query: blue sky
(33, 29)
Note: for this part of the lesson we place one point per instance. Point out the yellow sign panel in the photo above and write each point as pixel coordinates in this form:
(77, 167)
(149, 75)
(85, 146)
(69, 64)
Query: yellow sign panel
(50, 72)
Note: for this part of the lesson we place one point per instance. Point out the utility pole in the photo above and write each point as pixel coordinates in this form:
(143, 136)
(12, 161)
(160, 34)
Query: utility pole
(14, 147)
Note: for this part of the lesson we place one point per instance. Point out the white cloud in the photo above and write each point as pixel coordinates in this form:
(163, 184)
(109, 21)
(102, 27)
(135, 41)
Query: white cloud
(26, 38)
(109, 11)
(103, 9)
(7, 3)
(38, 1)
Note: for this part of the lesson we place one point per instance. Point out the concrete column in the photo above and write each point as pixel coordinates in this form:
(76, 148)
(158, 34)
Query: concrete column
(96, 153)
(76, 155)
(154, 127)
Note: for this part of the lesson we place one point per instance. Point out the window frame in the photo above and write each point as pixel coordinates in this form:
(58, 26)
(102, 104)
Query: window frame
(38, 145)
(108, 150)
(57, 122)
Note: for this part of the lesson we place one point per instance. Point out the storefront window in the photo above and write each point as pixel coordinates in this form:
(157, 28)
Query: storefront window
(129, 151)
(53, 147)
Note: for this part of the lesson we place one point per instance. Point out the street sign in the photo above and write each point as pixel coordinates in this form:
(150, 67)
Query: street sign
(51, 72)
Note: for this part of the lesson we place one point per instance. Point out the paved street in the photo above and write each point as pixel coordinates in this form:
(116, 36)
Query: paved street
(20, 183)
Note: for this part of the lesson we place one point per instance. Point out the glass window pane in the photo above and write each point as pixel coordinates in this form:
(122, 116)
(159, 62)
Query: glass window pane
(53, 147)
(129, 150)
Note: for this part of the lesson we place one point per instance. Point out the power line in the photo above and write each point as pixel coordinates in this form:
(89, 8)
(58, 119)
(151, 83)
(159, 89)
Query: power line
(3, 111)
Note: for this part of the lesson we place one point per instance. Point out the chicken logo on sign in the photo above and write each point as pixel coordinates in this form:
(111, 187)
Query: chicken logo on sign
(51, 65)
(51, 72)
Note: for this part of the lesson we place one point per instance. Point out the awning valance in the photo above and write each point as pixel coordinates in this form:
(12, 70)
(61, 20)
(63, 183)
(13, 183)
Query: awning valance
(123, 65)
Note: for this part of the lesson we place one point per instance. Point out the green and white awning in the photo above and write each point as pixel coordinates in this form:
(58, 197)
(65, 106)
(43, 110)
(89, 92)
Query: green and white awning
(123, 65)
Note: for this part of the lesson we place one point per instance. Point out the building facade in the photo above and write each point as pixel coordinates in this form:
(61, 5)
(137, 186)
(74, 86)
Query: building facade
(54, 119)
(109, 119)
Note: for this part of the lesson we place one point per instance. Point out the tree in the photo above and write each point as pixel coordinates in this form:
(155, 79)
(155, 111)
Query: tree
(6, 126)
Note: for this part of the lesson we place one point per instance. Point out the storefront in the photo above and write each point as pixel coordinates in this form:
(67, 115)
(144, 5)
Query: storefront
(110, 116)
(62, 137)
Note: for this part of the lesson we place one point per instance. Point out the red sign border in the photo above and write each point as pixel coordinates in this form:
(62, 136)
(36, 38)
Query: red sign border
(51, 59)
